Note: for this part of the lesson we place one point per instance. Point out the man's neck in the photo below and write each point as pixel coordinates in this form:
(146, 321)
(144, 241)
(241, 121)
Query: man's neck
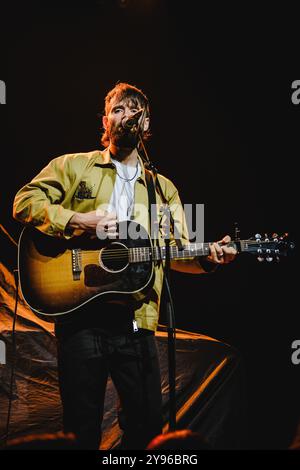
(127, 156)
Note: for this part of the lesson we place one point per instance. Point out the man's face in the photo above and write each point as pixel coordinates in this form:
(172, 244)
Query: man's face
(119, 112)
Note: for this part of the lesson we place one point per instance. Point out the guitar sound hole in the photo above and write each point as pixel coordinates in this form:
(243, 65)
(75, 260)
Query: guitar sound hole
(114, 258)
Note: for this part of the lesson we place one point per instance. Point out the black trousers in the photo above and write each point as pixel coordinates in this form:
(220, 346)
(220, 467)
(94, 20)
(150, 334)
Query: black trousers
(86, 356)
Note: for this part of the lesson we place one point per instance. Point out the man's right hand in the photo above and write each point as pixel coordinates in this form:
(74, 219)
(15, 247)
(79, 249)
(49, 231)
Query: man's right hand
(101, 223)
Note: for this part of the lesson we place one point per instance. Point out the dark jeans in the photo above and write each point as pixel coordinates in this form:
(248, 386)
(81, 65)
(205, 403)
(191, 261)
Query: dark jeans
(85, 359)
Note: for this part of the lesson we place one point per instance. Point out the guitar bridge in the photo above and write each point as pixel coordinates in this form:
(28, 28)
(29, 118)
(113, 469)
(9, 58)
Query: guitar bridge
(76, 263)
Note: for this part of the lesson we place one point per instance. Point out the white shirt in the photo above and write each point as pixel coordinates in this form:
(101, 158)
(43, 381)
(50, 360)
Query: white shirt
(122, 198)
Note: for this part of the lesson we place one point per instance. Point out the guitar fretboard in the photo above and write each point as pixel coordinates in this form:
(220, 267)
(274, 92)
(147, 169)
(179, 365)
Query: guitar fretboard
(156, 253)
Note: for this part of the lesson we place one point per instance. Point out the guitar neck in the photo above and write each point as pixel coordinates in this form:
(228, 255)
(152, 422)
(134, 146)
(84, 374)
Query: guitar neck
(188, 251)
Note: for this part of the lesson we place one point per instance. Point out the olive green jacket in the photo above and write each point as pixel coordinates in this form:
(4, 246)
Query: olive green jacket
(84, 182)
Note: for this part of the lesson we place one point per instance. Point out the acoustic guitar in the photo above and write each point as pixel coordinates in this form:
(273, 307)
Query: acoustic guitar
(57, 276)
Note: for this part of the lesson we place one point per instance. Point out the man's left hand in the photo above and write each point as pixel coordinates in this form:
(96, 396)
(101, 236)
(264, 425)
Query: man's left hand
(220, 253)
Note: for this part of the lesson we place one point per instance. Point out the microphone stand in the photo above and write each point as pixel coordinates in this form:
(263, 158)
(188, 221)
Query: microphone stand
(169, 302)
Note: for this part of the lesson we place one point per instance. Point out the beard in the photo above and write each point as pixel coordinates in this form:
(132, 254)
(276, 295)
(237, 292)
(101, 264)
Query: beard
(123, 137)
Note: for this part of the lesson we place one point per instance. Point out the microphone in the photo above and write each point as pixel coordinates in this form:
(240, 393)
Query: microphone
(133, 120)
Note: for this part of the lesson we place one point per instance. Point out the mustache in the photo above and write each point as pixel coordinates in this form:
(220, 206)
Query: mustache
(117, 129)
(122, 136)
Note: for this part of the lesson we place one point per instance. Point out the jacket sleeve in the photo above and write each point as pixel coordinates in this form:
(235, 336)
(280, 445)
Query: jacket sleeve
(40, 202)
(176, 208)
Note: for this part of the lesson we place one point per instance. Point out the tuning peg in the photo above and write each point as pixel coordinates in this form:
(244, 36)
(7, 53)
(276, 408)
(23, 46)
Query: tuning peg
(266, 237)
(269, 258)
(260, 258)
(275, 235)
(277, 259)
(285, 235)
(258, 236)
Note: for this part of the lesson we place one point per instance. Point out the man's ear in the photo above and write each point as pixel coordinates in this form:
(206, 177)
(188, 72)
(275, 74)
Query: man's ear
(104, 121)
(146, 124)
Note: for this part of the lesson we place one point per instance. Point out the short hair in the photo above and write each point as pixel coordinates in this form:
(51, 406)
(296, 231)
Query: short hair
(128, 93)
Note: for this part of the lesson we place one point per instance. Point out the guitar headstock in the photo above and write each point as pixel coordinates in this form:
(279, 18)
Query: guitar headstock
(269, 248)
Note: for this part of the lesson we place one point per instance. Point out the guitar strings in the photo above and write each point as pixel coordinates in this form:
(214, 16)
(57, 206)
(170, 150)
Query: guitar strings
(125, 253)
(138, 251)
(204, 245)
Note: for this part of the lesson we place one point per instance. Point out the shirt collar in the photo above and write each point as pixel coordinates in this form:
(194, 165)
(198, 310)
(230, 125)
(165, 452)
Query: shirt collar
(104, 160)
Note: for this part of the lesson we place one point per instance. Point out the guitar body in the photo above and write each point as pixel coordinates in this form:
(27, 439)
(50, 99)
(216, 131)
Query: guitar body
(57, 276)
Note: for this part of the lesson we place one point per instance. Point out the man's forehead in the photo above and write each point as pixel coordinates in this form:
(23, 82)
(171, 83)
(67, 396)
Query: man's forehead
(130, 102)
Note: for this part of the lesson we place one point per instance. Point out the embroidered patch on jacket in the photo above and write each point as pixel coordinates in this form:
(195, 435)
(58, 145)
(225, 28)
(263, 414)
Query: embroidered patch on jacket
(84, 191)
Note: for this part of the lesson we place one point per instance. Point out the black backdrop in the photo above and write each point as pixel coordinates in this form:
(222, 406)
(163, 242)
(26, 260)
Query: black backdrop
(224, 129)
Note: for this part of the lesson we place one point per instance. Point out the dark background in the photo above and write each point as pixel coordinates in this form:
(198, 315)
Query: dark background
(224, 129)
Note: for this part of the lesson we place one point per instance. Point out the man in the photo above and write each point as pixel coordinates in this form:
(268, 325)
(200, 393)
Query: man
(92, 192)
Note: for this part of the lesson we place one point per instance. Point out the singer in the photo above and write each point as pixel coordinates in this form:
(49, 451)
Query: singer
(108, 337)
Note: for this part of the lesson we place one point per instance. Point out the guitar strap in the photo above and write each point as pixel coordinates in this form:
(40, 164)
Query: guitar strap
(152, 200)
